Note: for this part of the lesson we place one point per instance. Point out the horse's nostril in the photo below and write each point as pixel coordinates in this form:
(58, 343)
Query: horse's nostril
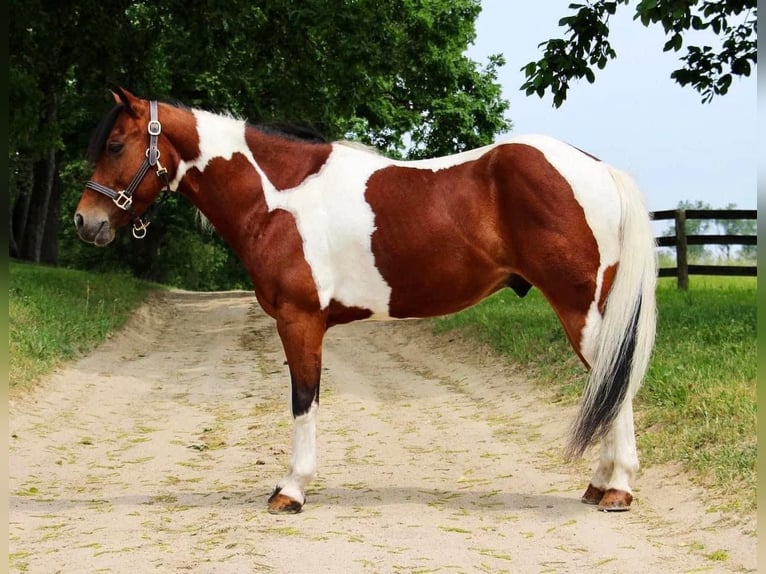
(78, 221)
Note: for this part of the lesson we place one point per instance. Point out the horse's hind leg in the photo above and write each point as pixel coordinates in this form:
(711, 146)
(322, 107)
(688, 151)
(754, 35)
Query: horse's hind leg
(301, 336)
(609, 487)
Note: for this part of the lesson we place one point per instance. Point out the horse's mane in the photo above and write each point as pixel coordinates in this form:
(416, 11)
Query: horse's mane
(291, 131)
(101, 133)
(288, 130)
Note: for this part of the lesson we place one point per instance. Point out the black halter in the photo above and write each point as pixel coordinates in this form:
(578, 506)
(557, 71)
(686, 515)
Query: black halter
(124, 199)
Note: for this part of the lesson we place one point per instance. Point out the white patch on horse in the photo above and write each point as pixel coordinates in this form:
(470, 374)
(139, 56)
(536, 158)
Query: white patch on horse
(594, 189)
(332, 216)
(303, 459)
(336, 224)
(618, 462)
(219, 136)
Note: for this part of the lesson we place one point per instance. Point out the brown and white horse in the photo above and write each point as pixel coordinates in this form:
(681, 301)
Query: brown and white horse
(332, 233)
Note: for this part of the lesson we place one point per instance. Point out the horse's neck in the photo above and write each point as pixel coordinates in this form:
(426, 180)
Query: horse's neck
(224, 174)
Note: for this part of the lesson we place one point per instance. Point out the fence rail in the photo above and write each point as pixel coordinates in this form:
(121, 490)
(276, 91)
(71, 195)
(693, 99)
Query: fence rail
(681, 241)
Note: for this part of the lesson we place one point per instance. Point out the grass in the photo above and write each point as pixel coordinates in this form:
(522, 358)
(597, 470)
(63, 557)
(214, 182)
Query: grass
(698, 403)
(57, 314)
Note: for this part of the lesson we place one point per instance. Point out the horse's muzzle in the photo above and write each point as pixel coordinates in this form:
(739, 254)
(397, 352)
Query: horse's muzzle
(96, 230)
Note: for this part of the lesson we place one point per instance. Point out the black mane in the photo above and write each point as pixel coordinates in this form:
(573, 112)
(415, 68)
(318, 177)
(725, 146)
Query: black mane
(292, 131)
(287, 130)
(101, 133)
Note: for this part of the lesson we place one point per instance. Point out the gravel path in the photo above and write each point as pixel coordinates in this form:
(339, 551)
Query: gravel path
(156, 453)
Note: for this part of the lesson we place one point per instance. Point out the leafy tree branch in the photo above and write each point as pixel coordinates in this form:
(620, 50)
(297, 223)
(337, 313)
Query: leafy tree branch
(707, 70)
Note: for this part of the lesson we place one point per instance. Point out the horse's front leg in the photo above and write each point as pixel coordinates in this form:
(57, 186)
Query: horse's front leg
(301, 336)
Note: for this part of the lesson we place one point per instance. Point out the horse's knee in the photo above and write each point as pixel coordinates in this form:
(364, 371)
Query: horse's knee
(303, 396)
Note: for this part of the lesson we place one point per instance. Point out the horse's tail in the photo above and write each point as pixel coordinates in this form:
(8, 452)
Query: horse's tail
(626, 337)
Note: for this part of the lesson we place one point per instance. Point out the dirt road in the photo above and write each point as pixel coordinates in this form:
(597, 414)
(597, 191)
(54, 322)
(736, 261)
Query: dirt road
(156, 453)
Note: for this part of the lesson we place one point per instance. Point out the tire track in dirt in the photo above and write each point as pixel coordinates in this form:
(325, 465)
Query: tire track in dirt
(156, 454)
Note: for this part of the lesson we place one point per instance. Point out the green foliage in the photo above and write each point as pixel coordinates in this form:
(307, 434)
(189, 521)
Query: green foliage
(56, 314)
(391, 74)
(708, 71)
(694, 253)
(737, 227)
(697, 405)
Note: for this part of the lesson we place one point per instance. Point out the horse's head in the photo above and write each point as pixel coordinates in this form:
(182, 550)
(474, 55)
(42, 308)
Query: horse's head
(128, 175)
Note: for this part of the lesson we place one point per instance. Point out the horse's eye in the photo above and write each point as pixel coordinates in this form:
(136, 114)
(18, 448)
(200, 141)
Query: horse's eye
(114, 147)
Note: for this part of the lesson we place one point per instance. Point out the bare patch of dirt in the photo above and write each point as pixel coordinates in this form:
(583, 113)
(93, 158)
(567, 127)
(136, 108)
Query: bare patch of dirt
(156, 453)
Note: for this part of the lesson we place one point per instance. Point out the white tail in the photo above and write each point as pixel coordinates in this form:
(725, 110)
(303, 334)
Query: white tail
(627, 331)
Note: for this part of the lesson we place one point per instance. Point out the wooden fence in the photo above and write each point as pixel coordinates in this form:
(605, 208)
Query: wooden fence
(681, 241)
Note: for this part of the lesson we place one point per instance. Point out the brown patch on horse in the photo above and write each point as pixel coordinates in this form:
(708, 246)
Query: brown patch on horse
(341, 314)
(553, 245)
(241, 218)
(185, 143)
(279, 246)
(286, 162)
(615, 501)
(508, 212)
(423, 256)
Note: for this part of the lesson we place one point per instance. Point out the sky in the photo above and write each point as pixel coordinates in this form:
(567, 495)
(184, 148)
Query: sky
(634, 116)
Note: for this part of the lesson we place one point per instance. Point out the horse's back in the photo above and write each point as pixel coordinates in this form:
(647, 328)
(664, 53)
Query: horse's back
(452, 230)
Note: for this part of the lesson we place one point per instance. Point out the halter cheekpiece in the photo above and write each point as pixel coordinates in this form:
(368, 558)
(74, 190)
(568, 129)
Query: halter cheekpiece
(124, 199)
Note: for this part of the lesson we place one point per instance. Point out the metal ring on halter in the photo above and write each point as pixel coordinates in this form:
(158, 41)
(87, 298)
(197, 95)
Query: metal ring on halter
(162, 172)
(139, 229)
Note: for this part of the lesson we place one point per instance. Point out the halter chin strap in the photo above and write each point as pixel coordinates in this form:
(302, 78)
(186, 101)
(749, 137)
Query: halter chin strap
(124, 199)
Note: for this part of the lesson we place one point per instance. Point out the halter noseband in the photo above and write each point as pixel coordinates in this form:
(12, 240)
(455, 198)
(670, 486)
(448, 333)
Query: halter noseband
(124, 199)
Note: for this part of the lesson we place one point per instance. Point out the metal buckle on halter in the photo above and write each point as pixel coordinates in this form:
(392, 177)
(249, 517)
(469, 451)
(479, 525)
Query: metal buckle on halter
(123, 200)
(139, 228)
(160, 169)
(154, 127)
(153, 155)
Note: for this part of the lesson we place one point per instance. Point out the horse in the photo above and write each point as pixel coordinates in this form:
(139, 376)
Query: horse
(332, 232)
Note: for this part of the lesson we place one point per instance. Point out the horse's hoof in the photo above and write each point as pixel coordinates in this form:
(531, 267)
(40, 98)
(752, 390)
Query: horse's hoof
(593, 495)
(615, 501)
(282, 504)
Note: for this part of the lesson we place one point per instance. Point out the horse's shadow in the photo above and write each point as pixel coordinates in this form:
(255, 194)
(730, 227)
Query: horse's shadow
(558, 504)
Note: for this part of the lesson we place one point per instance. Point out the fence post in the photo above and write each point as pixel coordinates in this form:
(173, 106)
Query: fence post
(682, 261)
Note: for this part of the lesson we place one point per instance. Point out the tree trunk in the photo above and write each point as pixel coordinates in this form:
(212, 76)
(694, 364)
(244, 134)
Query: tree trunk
(44, 172)
(24, 182)
(49, 251)
(37, 216)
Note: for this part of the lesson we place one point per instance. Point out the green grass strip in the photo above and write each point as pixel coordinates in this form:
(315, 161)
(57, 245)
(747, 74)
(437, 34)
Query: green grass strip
(57, 314)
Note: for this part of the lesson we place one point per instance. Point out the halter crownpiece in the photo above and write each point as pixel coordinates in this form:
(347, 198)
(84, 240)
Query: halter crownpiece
(124, 199)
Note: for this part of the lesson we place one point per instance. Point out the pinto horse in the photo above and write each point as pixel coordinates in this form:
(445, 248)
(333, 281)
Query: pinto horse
(331, 233)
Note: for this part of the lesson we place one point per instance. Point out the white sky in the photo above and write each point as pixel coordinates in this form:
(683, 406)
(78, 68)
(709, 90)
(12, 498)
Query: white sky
(634, 116)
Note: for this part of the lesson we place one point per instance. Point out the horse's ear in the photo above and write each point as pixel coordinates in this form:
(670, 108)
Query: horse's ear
(124, 97)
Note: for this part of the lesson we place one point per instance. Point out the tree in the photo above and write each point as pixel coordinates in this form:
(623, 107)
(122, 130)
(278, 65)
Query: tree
(695, 253)
(46, 51)
(709, 71)
(737, 227)
(392, 74)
